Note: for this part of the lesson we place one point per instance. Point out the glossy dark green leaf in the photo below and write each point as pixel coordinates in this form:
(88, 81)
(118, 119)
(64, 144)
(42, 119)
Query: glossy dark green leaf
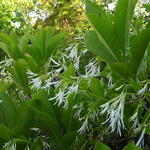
(123, 69)
(6, 133)
(43, 103)
(37, 144)
(10, 45)
(123, 16)
(69, 72)
(23, 42)
(101, 146)
(46, 120)
(19, 74)
(7, 111)
(24, 118)
(68, 113)
(138, 49)
(93, 8)
(43, 45)
(52, 47)
(131, 146)
(98, 47)
(97, 87)
(68, 139)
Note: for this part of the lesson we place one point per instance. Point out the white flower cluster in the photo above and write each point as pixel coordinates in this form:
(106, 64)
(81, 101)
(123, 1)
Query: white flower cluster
(78, 108)
(73, 54)
(140, 142)
(62, 96)
(115, 112)
(140, 10)
(145, 1)
(135, 119)
(143, 90)
(84, 127)
(93, 68)
(111, 6)
(3, 71)
(39, 82)
(11, 145)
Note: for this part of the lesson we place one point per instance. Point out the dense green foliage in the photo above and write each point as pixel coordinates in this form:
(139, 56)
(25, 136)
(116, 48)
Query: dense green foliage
(60, 91)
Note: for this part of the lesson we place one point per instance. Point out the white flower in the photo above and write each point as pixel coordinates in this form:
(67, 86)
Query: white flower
(93, 68)
(140, 142)
(62, 95)
(73, 49)
(60, 98)
(93, 116)
(48, 84)
(1, 101)
(110, 82)
(72, 89)
(77, 63)
(117, 89)
(78, 111)
(84, 51)
(134, 118)
(3, 71)
(36, 83)
(142, 91)
(27, 148)
(145, 1)
(115, 113)
(84, 127)
(74, 52)
(79, 37)
(15, 24)
(56, 63)
(31, 74)
(35, 129)
(11, 145)
(111, 6)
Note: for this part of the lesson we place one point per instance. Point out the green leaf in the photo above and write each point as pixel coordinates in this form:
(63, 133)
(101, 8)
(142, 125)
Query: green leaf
(24, 118)
(94, 8)
(37, 144)
(6, 133)
(43, 45)
(122, 21)
(23, 42)
(45, 120)
(97, 87)
(101, 146)
(32, 64)
(131, 146)
(69, 72)
(43, 103)
(123, 69)
(49, 35)
(68, 113)
(53, 43)
(7, 111)
(68, 139)
(138, 49)
(97, 47)
(19, 74)
(3, 87)
(4, 47)
(10, 45)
